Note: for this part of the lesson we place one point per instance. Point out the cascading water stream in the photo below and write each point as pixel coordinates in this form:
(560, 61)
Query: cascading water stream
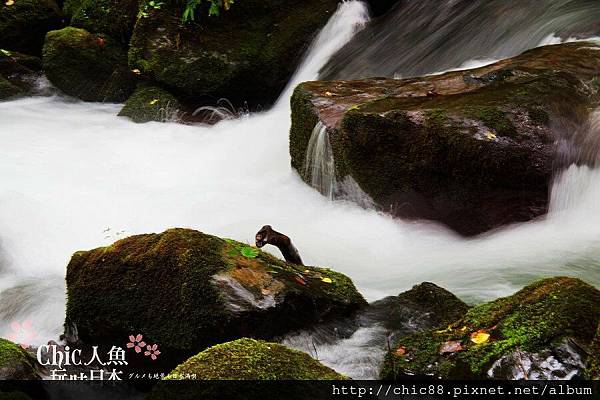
(74, 177)
(319, 165)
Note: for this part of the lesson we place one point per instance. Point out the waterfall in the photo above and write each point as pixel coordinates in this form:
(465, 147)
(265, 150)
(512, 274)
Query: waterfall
(421, 37)
(319, 165)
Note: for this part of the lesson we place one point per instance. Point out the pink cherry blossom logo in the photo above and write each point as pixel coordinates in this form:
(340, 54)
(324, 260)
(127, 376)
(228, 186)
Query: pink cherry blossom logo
(152, 351)
(22, 333)
(136, 343)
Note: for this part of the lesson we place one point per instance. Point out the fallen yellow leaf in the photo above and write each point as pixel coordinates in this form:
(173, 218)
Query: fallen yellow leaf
(327, 280)
(153, 102)
(490, 135)
(480, 337)
(328, 94)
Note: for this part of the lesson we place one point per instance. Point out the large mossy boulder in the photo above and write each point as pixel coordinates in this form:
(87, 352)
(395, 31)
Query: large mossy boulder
(23, 25)
(186, 290)
(247, 54)
(115, 18)
(151, 103)
(91, 67)
(16, 363)
(249, 359)
(474, 149)
(537, 333)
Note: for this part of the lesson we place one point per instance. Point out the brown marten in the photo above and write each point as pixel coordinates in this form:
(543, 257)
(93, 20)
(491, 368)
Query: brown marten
(267, 235)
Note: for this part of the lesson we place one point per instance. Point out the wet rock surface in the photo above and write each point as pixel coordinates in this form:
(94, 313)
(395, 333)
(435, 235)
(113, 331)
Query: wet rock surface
(542, 331)
(16, 363)
(356, 347)
(473, 149)
(23, 25)
(151, 103)
(247, 54)
(91, 67)
(186, 290)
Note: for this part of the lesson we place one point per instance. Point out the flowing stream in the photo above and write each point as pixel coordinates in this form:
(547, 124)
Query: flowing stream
(75, 176)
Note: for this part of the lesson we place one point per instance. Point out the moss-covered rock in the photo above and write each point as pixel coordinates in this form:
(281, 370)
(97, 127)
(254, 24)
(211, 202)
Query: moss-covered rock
(17, 73)
(424, 306)
(24, 24)
(593, 371)
(8, 90)
(12, 62)
(473, 149)
(70, 7)
(115, 18)
(151, 103)
(536, 323)
(16, 363)
(92, 67)
(246, 54)
(248, 359)
(186, 290)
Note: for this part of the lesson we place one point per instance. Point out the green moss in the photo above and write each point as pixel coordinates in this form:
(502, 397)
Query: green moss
(15, 363)
(115, 18)
(228, 56)
(151, 103)
(539, 115)
(473, 153)
(70, 7)
(437, 117)
(10, 353)
(13, 396)
(248, 359)
(177, 302)
(493, 118)
(304, 120)
(24, 24)
(8, 90)
(593, 362)
(88, 66)
(8, 59)
(532, 320)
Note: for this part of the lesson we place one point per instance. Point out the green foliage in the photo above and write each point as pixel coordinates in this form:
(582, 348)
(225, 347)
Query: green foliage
(246, 251)
(148, 6)
(189, 13)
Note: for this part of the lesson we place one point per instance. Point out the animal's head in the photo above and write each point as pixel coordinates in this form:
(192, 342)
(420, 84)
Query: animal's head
(263, 236)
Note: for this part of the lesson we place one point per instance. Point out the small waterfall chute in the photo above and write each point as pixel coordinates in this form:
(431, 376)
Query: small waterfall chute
(319, 165)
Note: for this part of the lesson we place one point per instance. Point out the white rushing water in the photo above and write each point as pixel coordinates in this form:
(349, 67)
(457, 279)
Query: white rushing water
(319, 165)
(75, 176)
